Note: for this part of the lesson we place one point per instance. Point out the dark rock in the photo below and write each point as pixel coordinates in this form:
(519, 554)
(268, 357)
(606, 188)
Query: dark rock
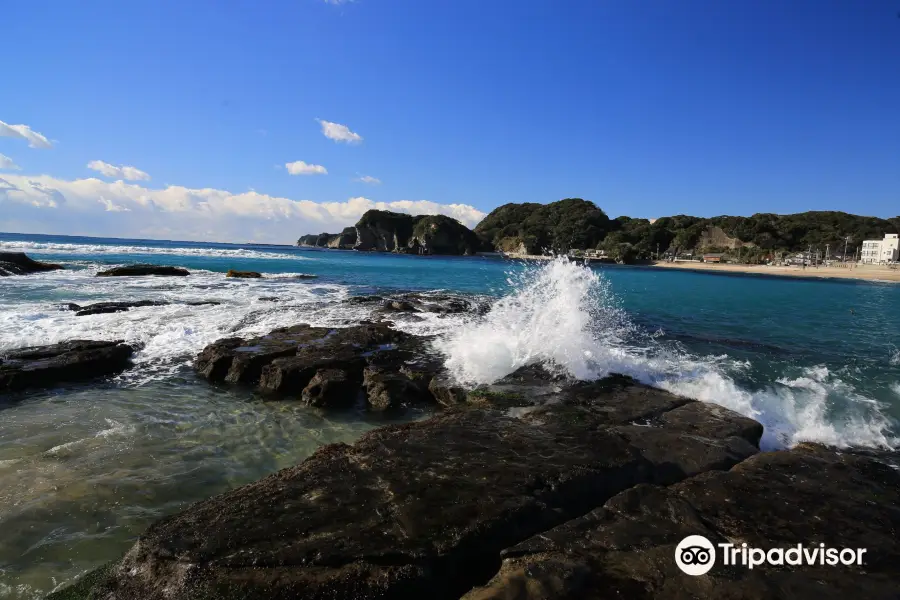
(76, 360)
(410, 511)
(615, 400)
(321, 366)
(18, 263)
(355, 300)
(132, 270)
(808, 495)
(388, 389)
(235, 360)
(113, 307)
(99, 308)
(243, 274)
(446, 391)
(270, 299)
(399, 306)
(305, 276)
(332, 388)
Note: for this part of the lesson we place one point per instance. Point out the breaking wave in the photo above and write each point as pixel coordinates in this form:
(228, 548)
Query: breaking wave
(106, 249)
(565, 315)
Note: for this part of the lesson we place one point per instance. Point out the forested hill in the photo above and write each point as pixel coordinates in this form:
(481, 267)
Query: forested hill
(576, 223)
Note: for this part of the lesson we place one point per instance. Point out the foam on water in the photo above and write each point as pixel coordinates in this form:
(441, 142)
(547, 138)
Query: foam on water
(565, 315)
(101, 249)
(167, 336)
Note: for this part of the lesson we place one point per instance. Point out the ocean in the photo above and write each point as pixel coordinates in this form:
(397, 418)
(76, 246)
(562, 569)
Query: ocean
(85, 468)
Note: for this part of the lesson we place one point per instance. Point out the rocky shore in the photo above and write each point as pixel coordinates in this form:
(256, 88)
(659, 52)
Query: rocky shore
(535, 487)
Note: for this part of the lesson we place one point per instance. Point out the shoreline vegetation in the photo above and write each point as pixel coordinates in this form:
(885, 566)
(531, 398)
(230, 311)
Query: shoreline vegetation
(572, 226)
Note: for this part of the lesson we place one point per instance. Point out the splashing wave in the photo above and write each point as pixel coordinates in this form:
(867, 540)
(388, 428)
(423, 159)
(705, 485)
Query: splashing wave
(566, 315)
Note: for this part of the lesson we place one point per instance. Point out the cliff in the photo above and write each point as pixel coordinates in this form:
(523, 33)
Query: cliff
(344, 240)
(384, 231)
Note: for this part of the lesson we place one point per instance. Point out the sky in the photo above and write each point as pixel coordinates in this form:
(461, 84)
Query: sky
(261, 121)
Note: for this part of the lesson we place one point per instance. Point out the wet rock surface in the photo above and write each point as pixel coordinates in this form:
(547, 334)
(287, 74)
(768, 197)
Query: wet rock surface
(535, 487)
(809, 495)
(326, 367)
(421, 303)
(100, 308)
(18, 263)
(77, 360)
(137, 270)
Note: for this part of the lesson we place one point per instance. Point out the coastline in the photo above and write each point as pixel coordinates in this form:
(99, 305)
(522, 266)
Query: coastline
(858, 272)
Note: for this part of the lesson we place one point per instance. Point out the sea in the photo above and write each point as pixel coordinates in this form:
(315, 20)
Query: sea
(84, 469)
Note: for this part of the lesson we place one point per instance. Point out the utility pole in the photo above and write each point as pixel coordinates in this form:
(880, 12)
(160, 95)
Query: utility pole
(826, 252)
(657, 251)
(846, 239)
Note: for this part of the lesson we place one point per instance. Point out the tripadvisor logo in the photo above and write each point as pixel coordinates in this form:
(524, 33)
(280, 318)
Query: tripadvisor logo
(696, 555)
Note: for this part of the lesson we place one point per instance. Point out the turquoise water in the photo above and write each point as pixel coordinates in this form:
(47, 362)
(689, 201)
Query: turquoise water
(84, 469)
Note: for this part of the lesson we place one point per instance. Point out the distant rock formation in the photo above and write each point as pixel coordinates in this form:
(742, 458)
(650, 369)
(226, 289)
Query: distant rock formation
(385, 231)
(344, 240)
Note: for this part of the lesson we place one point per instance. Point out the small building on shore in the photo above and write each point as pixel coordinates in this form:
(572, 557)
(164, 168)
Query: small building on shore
(715, 257)
(880, 251)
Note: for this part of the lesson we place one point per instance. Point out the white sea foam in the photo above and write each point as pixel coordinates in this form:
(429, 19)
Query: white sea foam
(101, 249)
(566, 315)
(167, 336)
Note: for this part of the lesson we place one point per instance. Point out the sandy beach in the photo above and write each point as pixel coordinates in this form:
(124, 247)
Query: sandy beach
(867, 272)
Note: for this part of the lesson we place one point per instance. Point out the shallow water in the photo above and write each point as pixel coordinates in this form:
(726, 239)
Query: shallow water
(84, 469)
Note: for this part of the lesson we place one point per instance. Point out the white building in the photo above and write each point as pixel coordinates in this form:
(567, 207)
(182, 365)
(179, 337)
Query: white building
(880, 251)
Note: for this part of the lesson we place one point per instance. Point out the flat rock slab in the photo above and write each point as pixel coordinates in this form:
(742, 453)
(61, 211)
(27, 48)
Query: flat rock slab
(136, 270)
(809, 495)
(421, 510)
(18, 263)
(76, 360)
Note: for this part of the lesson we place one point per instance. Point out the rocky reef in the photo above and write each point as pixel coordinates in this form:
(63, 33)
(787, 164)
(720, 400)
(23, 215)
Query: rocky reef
(76, 360)
(535, 487)
(18, 263)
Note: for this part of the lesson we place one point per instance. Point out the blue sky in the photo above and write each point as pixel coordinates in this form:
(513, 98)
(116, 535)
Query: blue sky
(646, 107)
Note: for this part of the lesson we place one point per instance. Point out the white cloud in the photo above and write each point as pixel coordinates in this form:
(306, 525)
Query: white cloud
(34, 139)
(123, 172)
(301, 168)
(7, 163)
(111, 206)
(339, 133)
(368, 179)
(175, 212)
